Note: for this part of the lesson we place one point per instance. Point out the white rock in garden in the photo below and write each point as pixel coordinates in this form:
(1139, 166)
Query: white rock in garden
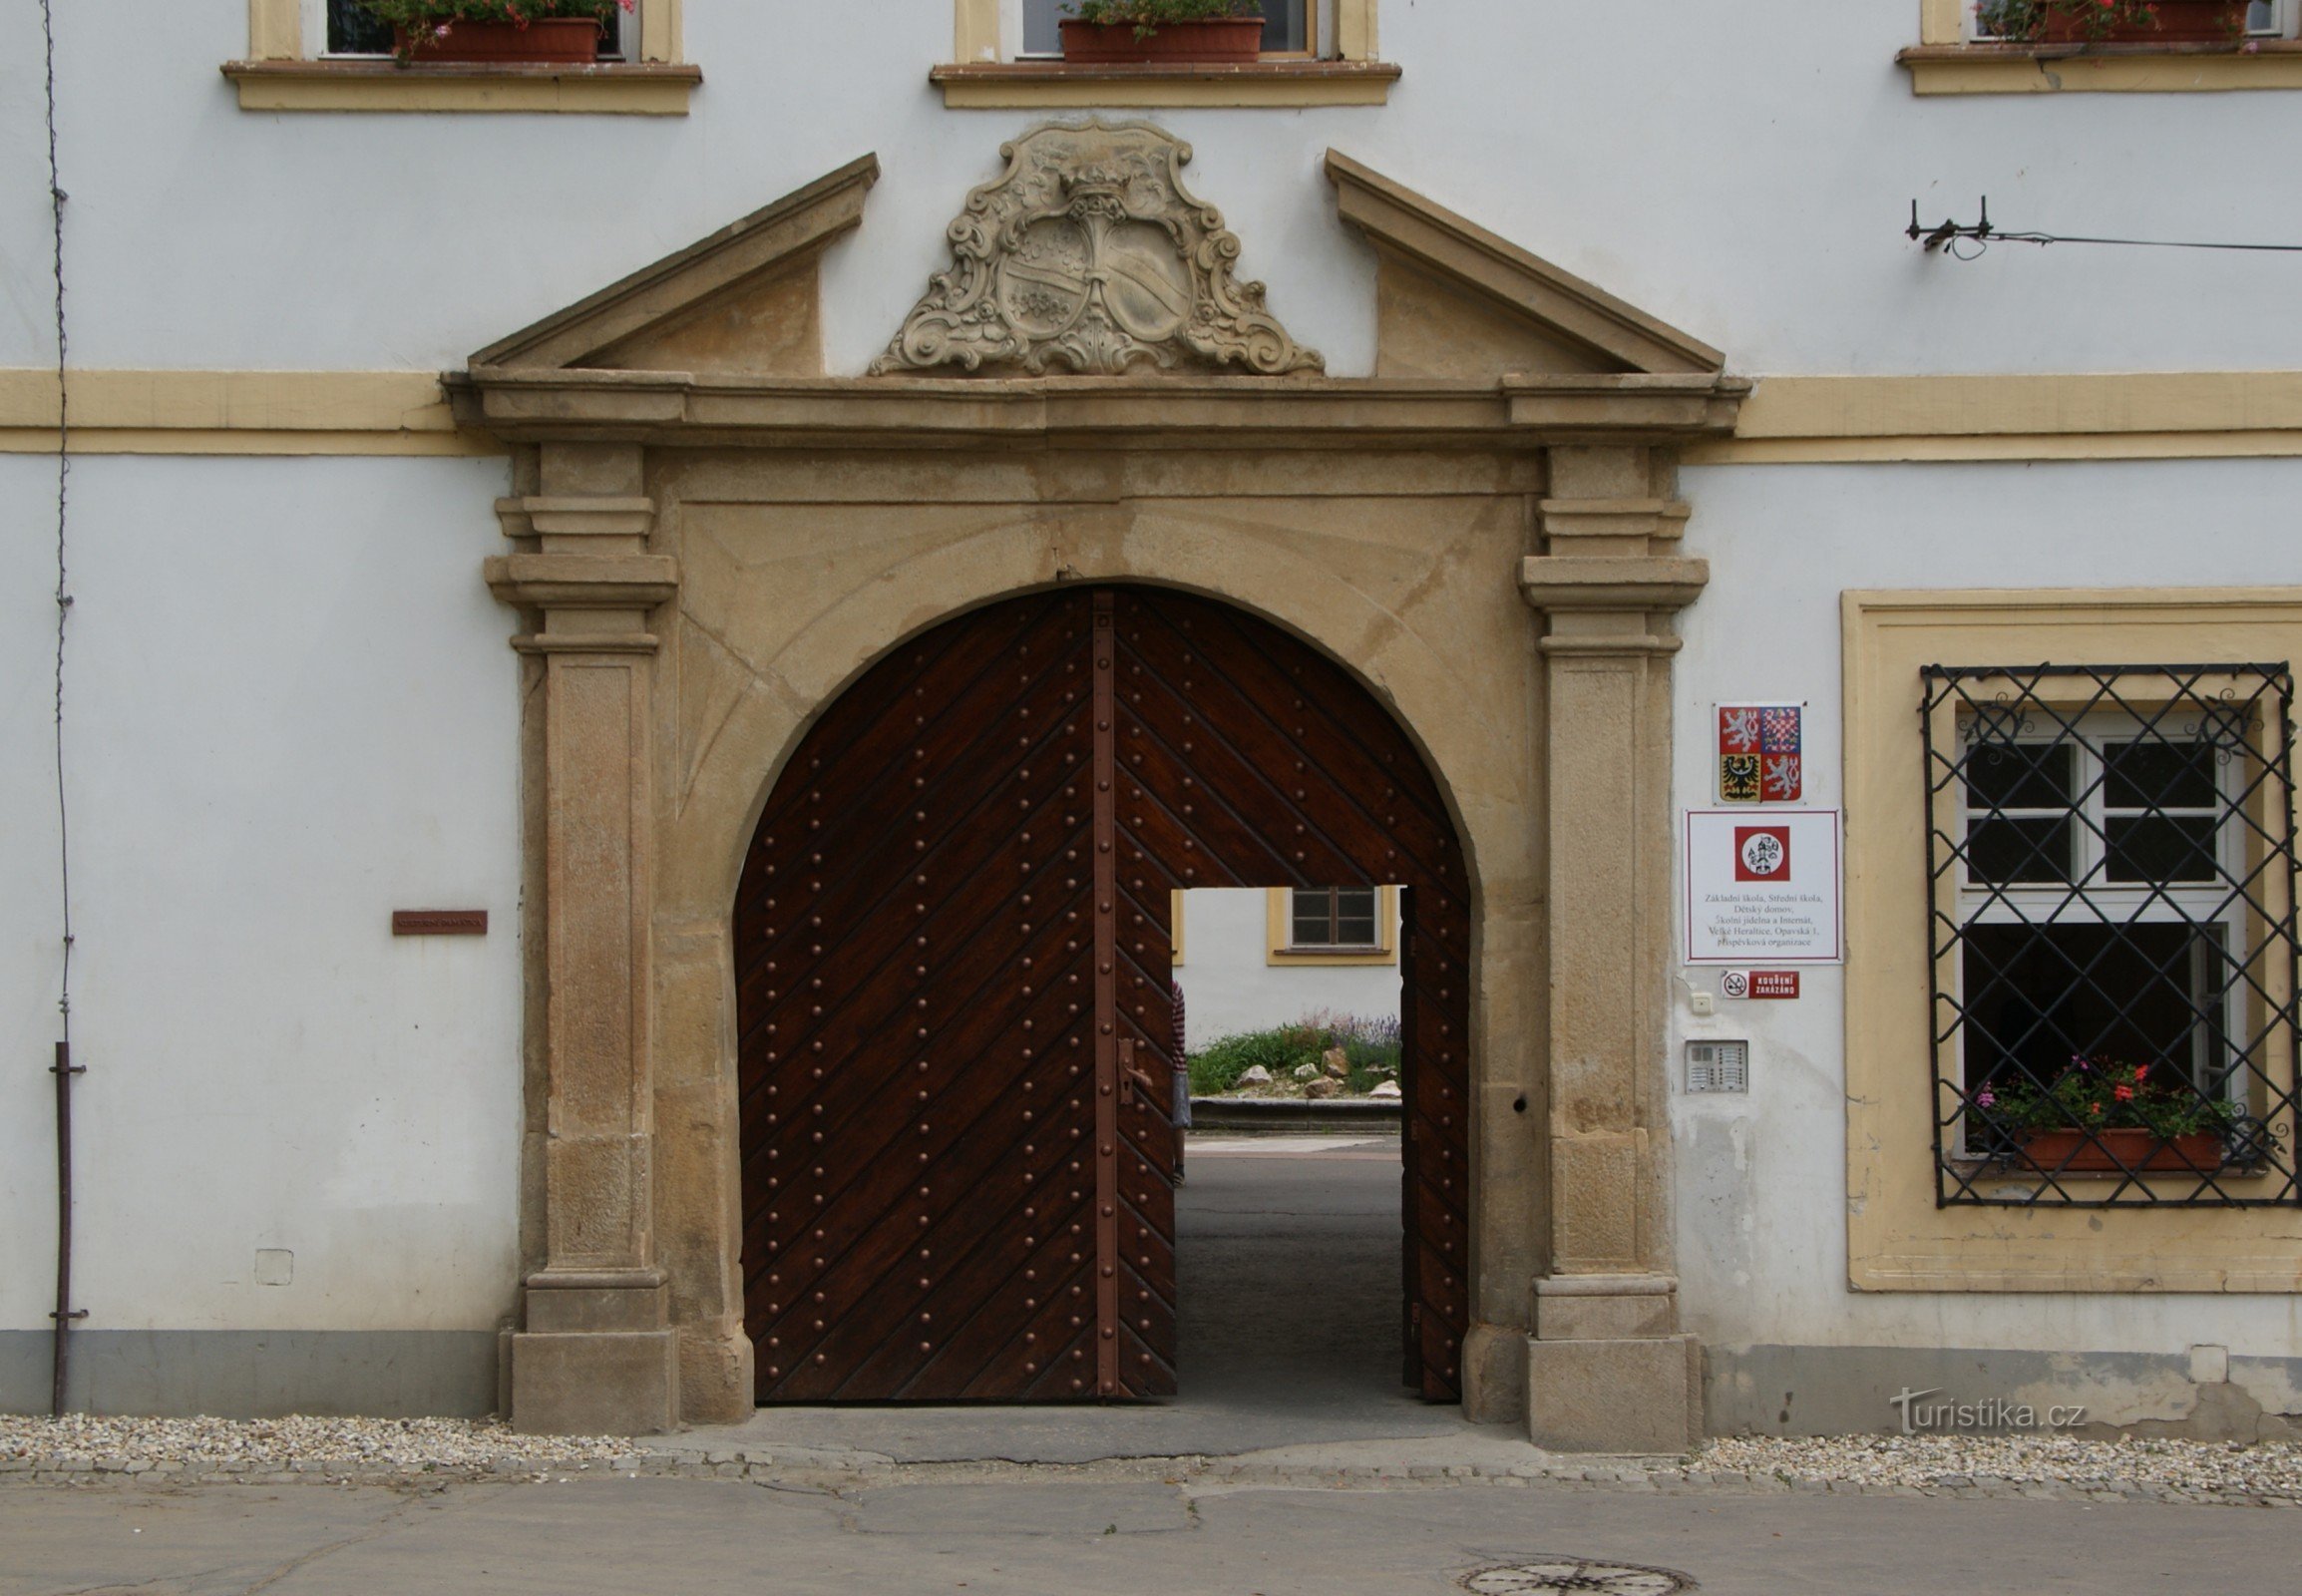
(1305, 1072)
(1387, 1091)
(1257, 1076)
(1322, 1088)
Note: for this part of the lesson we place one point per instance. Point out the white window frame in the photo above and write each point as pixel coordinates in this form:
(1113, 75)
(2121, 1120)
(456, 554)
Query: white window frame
(2281, 24)
(315, 29)
(2089, 897)
(1324, 34)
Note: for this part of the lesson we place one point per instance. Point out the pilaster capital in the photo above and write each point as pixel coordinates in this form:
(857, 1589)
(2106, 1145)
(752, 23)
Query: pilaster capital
(1635, 585)
(562, 515)
(584, 582)
(1612, 518)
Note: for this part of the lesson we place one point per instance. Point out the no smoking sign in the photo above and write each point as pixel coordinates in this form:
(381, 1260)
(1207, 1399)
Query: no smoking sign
(1759, 984)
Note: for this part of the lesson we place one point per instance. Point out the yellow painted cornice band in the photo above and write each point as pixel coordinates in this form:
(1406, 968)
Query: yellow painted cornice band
(1787, 420)
(235, 413)
(2084, 416)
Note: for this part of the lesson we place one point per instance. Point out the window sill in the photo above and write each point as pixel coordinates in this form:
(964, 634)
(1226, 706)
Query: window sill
(1340, 957)
(1063, 85)
(651, 89)
(1940, 69)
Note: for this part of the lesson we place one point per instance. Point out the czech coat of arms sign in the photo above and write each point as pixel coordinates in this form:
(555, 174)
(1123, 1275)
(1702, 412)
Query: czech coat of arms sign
(1761, 754)
(1090, 255)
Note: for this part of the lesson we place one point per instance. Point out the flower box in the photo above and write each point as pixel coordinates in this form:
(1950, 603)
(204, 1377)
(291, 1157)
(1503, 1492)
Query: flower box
(2120, 1152)
(2175, 22)
(547, 39)
(1226, 41)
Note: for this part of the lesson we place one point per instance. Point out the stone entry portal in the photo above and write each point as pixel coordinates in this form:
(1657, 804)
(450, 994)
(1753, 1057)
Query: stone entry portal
(710, 541)
(953, 976)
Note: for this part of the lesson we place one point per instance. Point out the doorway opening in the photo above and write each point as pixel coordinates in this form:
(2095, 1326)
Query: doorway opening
(955, 978)
(1290, 1227)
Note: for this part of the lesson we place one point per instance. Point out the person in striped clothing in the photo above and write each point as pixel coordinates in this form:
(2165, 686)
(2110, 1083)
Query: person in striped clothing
(1179, 1091)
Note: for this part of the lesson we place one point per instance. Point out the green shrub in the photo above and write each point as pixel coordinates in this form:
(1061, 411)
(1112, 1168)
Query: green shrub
(1370, 1048)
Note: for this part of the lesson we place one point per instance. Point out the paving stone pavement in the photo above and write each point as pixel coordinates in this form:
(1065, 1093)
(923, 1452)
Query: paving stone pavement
(1089, 1534)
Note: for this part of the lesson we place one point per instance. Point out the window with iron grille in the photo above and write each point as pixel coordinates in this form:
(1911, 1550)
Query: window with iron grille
(2112, 924)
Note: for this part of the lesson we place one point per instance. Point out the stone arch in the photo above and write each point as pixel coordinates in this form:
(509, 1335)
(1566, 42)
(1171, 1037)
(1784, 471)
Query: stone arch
(818, 1141)
(1425, 631)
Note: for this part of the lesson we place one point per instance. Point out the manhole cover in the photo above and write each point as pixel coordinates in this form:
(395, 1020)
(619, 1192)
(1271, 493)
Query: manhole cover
(1576, 1574)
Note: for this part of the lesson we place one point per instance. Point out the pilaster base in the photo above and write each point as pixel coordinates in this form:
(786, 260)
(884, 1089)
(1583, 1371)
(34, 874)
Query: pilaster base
(598, 1357)
(1615, 1396)
(1495, 1375)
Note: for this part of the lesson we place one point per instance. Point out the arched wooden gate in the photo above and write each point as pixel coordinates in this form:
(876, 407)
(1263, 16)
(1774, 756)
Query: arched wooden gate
(953, 966)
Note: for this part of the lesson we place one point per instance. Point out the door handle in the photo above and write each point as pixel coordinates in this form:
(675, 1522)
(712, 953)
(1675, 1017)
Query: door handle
(1131, 1079)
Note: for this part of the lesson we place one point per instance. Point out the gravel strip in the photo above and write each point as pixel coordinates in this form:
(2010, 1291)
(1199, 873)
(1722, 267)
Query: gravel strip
(78, 1443)
(84, 1450)
(1957, 1462)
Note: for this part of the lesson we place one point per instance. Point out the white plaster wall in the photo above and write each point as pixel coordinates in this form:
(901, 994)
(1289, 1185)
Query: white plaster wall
(1761, 1206)
(30, 928)
(1230, 985)
(293, 710)
(1740, 170)
(290, 710)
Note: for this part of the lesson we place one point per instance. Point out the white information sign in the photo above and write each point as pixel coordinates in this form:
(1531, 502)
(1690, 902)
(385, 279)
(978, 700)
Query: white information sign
(1763, 887)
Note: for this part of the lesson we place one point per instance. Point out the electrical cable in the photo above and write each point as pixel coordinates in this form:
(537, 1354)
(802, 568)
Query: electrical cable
(64, 1069)
(2145, 244)
(1948, 235)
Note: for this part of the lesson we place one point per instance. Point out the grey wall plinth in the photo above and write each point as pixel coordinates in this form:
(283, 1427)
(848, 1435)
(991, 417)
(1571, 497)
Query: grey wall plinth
(2198, 1394)
(257, 1374)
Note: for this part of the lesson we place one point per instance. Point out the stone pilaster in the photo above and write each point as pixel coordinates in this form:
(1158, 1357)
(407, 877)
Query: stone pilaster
(1607, 1368)
(597, 1355)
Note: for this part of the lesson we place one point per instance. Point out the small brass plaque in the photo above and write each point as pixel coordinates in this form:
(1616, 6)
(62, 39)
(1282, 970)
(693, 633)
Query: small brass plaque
(439, 922)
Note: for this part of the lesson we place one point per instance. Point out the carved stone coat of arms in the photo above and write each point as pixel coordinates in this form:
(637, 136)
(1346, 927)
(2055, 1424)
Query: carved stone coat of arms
(1089, 255)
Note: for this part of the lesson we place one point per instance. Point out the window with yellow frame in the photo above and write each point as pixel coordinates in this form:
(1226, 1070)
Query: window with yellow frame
(331, 55)
(1908, 977)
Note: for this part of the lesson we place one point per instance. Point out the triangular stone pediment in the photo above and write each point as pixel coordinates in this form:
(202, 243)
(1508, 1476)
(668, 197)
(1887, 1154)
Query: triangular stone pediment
(1455, 300)
(1089, 257)
(745, 300)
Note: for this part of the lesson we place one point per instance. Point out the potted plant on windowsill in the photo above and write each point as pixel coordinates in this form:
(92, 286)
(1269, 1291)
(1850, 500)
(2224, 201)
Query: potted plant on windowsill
(1196, 32)
(524, 31)
(2102, 1116)
(2114, 21)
